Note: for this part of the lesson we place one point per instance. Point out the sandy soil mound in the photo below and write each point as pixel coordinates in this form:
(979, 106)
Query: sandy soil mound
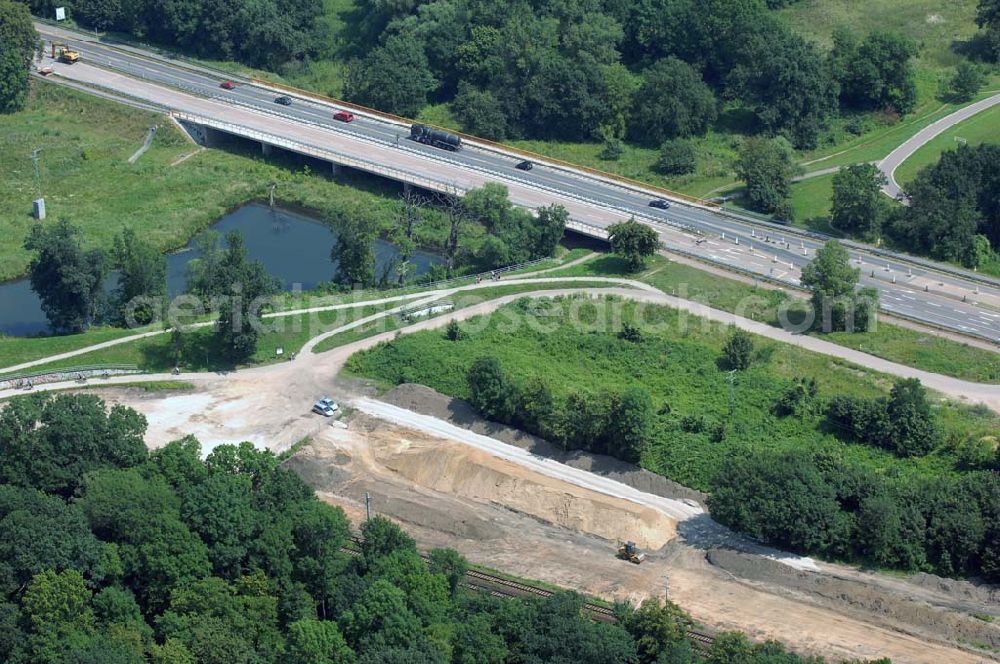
(427, 401)
(475, 475)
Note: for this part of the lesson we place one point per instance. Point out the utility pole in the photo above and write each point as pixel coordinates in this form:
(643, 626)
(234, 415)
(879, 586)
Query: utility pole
(731, 379)
(368, 506)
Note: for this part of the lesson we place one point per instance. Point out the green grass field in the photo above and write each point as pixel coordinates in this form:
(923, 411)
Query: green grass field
(86, 178)
(891, 342)
(575, 347)
(981, 128)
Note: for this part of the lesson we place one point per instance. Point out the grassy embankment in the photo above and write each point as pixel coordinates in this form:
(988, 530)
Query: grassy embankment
(199, 351)
(897, 344)
(678, 364)
(85, 176)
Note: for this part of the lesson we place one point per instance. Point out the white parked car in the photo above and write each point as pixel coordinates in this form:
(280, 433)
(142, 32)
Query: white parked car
(325, 407)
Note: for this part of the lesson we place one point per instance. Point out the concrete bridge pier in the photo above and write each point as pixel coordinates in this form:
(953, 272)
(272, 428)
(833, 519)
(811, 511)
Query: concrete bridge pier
(265, 148)
(334, 168)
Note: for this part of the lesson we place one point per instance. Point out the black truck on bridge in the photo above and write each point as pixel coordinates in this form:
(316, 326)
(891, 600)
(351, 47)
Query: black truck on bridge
(439, 139)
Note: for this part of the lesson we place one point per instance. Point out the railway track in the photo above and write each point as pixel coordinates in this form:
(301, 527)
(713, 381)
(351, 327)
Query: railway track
(499, 586)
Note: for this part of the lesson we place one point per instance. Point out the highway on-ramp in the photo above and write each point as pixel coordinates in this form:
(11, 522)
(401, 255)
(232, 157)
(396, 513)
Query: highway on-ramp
(913, 288)
(892, 161)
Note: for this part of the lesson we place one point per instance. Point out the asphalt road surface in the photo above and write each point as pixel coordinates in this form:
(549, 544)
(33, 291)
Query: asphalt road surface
(917, 141)
(913, 288)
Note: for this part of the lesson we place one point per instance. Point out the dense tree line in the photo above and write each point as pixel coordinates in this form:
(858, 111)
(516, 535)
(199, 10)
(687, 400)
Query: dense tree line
(617, 424)
(594, 69)
(260, 33)
(19, 44)
(112, 554)
(902, 422)
(954, 211)
(821, 504)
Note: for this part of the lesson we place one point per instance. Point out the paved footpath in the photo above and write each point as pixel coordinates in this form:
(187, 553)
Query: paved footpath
(961, 390)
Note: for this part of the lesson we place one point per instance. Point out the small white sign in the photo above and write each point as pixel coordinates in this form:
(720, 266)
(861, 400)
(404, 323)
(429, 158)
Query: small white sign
(60, 13)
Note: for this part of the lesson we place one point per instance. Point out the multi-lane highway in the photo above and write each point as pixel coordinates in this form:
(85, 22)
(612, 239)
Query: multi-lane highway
(913, 288)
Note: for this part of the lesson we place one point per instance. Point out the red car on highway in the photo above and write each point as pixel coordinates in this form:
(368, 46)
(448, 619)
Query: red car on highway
(228, 85)
(344, 116)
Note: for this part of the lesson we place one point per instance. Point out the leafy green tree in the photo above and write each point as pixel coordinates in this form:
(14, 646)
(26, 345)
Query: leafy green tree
(99, 14)
(783, 79)
(766, 167)
(549, 228)
(50, 442)
(672, 102)
(476, 643)
(738, 351)
(353, 252)
(876, 73)
(656, 627)
(380, 537)
(677, 157)
(67, 279)
(628, 429)
(951, 203)
(481, 113)
(210, 619)
(536, 408)
(39, 533)
(204, 274)
(250, 289)
(316, 642)
(57, 607)
(380, 618)
(634, 242)
(559, 635)
(395, 77)
(451, 565)
(832, 281)
(859, 207)
(453, 331)
(142, 280)
(19, 44)
(780, 498)
(988, 18)
(966, 82)
(913, 431)
(584, 421)
(220, 511)
(490, 390)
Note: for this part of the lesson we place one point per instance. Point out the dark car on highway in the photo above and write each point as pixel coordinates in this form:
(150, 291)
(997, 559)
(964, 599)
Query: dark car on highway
(344, 116)
(659, 203)
(284, 100)
(525, 166)
(228, 85)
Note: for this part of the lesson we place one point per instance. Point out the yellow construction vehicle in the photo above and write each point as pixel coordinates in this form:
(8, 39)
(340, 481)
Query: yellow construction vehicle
(627, 551)
(64, 53)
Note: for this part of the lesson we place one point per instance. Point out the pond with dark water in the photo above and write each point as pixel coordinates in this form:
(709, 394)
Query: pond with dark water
(293, 247)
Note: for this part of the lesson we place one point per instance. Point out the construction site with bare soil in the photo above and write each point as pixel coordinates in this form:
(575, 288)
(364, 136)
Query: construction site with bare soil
(538, 519)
